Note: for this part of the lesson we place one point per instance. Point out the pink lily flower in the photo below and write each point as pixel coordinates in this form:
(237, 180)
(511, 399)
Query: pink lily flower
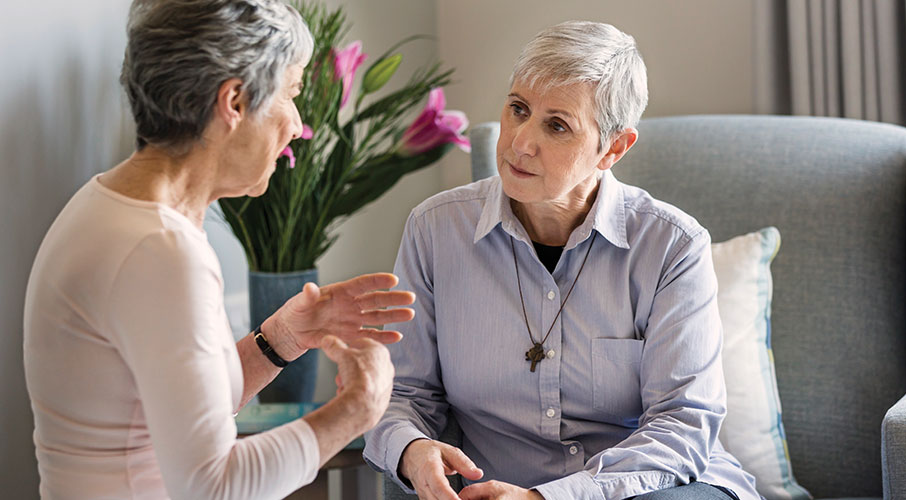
(434, 127)
(288, 152)
(307, 133)
(345, 63)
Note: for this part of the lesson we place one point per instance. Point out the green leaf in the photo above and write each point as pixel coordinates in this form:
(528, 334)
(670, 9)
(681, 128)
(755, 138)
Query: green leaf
(347, 164)
(378, 177)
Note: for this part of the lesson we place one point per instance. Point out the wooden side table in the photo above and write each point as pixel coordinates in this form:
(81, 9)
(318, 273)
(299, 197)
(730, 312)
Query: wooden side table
(340, 478)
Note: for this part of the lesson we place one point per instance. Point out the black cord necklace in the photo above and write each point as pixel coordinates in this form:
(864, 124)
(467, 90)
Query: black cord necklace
(536, 353)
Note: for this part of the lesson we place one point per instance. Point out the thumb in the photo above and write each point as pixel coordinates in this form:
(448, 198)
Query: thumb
(309, 294)
(333, 347)
(306, 299)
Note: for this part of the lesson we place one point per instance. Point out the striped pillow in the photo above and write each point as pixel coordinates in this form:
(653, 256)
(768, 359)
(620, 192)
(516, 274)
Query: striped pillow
(753, 430)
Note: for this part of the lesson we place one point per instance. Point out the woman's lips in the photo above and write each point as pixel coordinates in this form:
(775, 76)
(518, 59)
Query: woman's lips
(520, 174)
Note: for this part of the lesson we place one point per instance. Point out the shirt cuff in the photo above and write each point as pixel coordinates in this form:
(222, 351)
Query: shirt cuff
(604, 485)
(580, 486)
(387, 458)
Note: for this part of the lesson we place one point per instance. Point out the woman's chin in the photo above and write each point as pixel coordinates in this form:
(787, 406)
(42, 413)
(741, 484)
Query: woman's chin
(258, 189)
(516, 189)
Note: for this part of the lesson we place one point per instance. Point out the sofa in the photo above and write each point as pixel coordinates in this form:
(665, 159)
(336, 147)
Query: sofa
(836, 190)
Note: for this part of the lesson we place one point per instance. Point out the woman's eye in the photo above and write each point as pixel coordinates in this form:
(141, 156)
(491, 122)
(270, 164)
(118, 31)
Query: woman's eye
(557, 126)
(517, 109)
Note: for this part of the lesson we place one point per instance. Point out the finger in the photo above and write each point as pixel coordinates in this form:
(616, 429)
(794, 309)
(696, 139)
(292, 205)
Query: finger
(369, 282)
(477, 491)
(437, 483)
(334, 348)
(382, 336)
(380, 300)
(457, 461)
(387, 316)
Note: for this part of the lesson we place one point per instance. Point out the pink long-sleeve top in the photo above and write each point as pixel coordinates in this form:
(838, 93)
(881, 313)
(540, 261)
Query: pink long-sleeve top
(131, 367)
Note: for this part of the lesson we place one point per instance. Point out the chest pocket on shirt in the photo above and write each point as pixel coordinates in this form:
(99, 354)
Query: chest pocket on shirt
(615, 371)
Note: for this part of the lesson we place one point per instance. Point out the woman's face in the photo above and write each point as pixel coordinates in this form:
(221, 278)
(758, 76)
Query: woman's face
(548, 146)
(264, 135)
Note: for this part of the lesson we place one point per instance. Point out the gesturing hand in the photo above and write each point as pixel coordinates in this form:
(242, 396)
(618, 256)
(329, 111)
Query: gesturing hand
(426, 464)
(367, 372)
(498, 490)
(340, 309)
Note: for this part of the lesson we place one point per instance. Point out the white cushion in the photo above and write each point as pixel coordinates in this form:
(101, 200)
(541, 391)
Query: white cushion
(753, 430)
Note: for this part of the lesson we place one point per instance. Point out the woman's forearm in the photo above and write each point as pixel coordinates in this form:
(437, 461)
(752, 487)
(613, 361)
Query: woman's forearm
(336, 424)
(257, 370)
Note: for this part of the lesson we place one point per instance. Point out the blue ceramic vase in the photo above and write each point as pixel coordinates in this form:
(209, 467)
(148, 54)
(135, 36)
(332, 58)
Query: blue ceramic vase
(267, 292)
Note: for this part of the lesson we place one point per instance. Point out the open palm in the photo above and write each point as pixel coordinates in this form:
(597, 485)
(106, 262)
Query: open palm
(349, 309)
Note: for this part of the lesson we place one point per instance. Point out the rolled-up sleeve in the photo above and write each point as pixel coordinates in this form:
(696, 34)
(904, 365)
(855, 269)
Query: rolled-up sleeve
(682, 388)
(418, 407)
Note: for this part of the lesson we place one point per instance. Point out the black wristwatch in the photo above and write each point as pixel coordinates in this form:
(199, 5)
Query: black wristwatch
(267, 350)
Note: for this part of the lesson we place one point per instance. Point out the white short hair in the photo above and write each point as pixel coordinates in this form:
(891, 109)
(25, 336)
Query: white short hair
(596, 53)
(179, 53)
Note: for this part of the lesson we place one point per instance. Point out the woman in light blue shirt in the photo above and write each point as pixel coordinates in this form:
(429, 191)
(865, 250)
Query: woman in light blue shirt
(568, 321)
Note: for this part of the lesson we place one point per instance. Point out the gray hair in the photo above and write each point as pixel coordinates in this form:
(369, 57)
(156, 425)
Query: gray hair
(597, 53)
(179, 53)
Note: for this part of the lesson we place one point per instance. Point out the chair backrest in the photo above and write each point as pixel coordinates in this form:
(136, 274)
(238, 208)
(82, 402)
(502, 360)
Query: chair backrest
(836, 189)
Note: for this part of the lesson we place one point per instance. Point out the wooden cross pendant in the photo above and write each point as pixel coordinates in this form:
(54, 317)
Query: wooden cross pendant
(535, 355)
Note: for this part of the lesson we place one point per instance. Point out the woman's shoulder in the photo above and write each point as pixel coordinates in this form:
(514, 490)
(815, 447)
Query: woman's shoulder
(460, 200)
(645, 212)
(100, 230)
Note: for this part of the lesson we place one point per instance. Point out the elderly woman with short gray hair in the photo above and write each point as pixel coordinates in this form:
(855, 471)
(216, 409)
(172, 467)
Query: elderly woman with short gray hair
(566, 320)
(132, 370)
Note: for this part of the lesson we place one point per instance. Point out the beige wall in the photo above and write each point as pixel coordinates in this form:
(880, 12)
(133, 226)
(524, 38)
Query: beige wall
(698, 52)
(61, 121)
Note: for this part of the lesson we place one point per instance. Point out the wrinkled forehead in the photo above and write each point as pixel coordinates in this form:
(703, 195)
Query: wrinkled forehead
(569, 94)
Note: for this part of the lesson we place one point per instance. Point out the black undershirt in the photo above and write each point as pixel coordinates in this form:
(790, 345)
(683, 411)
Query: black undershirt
(549, 256)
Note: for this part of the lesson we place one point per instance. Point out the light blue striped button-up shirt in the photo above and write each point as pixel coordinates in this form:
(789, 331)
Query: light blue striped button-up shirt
(630, 395)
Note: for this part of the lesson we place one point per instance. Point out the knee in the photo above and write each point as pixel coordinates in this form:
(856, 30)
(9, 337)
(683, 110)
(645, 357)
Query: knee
(693, 491)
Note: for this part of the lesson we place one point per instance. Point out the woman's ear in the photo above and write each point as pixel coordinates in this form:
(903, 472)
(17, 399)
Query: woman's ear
(619, 145)
(232, 103)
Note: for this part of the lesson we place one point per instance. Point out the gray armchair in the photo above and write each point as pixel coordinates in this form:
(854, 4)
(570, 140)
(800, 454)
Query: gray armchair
(836, 189)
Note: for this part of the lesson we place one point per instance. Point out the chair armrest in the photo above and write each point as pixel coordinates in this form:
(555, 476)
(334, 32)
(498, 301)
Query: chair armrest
(893, 451)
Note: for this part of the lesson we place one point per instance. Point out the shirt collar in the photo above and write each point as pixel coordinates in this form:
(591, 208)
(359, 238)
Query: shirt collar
(607, 215)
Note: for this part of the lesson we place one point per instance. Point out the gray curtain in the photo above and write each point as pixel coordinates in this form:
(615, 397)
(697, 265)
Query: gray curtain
(843, 58)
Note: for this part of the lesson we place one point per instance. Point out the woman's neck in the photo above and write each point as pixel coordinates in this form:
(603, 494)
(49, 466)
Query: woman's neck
(182, 183)
(551, 222)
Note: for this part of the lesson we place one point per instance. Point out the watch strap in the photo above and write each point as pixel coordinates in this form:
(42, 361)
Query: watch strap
(267, 350)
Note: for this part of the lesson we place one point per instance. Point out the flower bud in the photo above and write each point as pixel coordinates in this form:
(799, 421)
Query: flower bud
(380, 73)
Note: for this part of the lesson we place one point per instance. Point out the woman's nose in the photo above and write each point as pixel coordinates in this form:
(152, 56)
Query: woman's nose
(297, 126)
(524, 142)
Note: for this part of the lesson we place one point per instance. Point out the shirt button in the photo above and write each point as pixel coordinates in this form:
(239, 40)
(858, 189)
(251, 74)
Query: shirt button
(551, 295)
(551, 353)
(551, 413)
(573, 450)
